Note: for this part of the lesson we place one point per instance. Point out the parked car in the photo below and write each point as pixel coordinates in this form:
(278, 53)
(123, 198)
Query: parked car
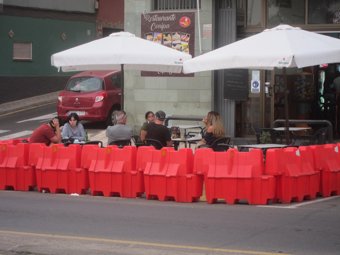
(93, 95)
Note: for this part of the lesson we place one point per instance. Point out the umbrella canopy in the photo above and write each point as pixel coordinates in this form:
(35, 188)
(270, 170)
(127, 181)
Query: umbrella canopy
(281, 46)
(118, 50)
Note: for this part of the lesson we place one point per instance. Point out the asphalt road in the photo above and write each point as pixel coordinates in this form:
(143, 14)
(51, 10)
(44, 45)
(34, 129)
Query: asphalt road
(42, 223)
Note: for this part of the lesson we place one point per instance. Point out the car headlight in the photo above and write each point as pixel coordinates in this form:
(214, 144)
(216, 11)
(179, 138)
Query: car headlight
(99, 99)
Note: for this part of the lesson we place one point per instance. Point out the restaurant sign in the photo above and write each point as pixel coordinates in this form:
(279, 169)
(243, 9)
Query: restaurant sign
(172, 29)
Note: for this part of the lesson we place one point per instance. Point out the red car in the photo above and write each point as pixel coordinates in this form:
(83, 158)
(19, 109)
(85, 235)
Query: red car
(93, 95)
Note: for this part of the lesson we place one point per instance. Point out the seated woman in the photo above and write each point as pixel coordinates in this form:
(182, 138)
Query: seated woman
(213, 129)
(149, 117)
(73, 129)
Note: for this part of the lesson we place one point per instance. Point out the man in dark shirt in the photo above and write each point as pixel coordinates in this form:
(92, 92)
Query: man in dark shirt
(157, 131)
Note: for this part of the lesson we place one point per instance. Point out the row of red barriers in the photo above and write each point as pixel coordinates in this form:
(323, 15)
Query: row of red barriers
(285, 175)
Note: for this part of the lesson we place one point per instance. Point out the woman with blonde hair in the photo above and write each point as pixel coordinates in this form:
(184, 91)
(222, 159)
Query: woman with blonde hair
(214, 128)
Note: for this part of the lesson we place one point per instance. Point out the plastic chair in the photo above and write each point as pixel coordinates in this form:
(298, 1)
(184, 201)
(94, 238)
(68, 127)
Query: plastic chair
(121, 143)
(137, 141)
(221, 144)
(99, 143)
(155, 143)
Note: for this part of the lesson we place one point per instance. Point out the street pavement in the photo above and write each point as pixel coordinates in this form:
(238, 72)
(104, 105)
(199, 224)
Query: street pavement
(50, 98)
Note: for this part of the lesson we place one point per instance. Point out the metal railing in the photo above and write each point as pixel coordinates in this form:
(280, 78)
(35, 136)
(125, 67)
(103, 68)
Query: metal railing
(323, 123)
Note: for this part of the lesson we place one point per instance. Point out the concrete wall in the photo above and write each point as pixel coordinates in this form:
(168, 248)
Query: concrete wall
(174, 95)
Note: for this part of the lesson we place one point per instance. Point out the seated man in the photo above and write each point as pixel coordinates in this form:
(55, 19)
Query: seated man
(157, 131)
(47, 133)
(120, 131)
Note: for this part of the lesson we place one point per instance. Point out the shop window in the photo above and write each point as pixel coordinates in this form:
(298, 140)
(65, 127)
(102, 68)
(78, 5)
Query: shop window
(22, 51)
(164, 5)
(285, 12)
(324, 12)
(254, 13)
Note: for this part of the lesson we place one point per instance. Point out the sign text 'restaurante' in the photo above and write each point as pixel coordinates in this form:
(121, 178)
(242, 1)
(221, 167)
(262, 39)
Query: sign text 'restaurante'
(157, 20)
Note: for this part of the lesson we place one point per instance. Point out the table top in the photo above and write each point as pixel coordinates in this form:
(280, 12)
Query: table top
(186, 126)
(291, 128)
(263, 146)
(193, 139)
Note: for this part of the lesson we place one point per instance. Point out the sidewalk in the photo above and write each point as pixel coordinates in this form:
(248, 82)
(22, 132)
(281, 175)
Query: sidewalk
(27, 103)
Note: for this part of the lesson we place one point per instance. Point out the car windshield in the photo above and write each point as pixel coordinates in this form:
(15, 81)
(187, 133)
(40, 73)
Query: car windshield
(84, 84)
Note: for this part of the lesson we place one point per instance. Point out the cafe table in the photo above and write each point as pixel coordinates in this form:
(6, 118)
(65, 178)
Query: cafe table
(291, 129)
(264, 146)
(187, 140)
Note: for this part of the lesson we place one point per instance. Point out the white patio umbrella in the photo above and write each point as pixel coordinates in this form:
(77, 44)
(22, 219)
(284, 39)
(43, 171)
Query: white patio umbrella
(280, 47)
(120, 51)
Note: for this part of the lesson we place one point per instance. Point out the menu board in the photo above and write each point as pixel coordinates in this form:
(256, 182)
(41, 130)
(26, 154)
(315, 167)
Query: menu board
(172, 29)
(236, 84)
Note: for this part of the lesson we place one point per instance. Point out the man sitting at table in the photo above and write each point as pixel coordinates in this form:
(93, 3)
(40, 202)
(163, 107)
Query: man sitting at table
(120, 131)
(157, 131)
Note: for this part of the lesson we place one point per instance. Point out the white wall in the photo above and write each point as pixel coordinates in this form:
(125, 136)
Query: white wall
(174, 95)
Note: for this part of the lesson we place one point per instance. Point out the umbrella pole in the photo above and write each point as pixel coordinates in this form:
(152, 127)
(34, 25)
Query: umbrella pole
(122, 87)
(286, 107)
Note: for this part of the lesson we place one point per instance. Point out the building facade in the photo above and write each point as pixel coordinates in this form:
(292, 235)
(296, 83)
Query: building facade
(221, 22)
(31, 31)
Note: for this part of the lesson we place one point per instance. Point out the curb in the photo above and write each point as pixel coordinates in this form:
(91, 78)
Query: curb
(26, 103)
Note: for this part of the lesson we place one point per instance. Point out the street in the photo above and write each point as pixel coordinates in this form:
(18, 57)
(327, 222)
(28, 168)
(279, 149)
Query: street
(37, 223)
(41, 223)
(22, 123)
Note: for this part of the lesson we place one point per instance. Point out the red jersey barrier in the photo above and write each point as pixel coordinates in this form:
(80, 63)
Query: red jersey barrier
(234, 176)
(327, 161)
(15, 173)
(168, 174)
(201, 165)
(113, 172)
(295, 173)
(56, 166)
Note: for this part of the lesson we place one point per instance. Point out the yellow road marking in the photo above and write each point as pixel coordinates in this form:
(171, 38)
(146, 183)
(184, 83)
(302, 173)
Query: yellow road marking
(150, 244)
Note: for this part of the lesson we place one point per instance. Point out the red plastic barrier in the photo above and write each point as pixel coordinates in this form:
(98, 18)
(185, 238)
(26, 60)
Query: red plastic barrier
(15, 172)
(201, 165)
(295, 173)
(234, 176)
(113, 172)
(169, 175)
(327, 161)
(57, 166)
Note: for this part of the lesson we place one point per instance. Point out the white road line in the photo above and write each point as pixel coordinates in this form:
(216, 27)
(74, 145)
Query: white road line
(24, 133)
(42, 117)
(3, 131)
(294, 206)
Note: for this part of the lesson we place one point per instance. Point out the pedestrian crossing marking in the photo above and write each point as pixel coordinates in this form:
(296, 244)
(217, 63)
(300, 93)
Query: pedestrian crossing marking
(24, 133)
(3, 131)
(42, 117)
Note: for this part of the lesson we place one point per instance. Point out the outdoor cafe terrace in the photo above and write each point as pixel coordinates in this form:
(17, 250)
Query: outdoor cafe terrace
(256, 176)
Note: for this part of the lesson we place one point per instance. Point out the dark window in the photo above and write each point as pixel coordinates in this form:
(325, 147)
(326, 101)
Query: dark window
(116, 80)
(285, 12)
(159, 5)
(324, 12)
(85, 84)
